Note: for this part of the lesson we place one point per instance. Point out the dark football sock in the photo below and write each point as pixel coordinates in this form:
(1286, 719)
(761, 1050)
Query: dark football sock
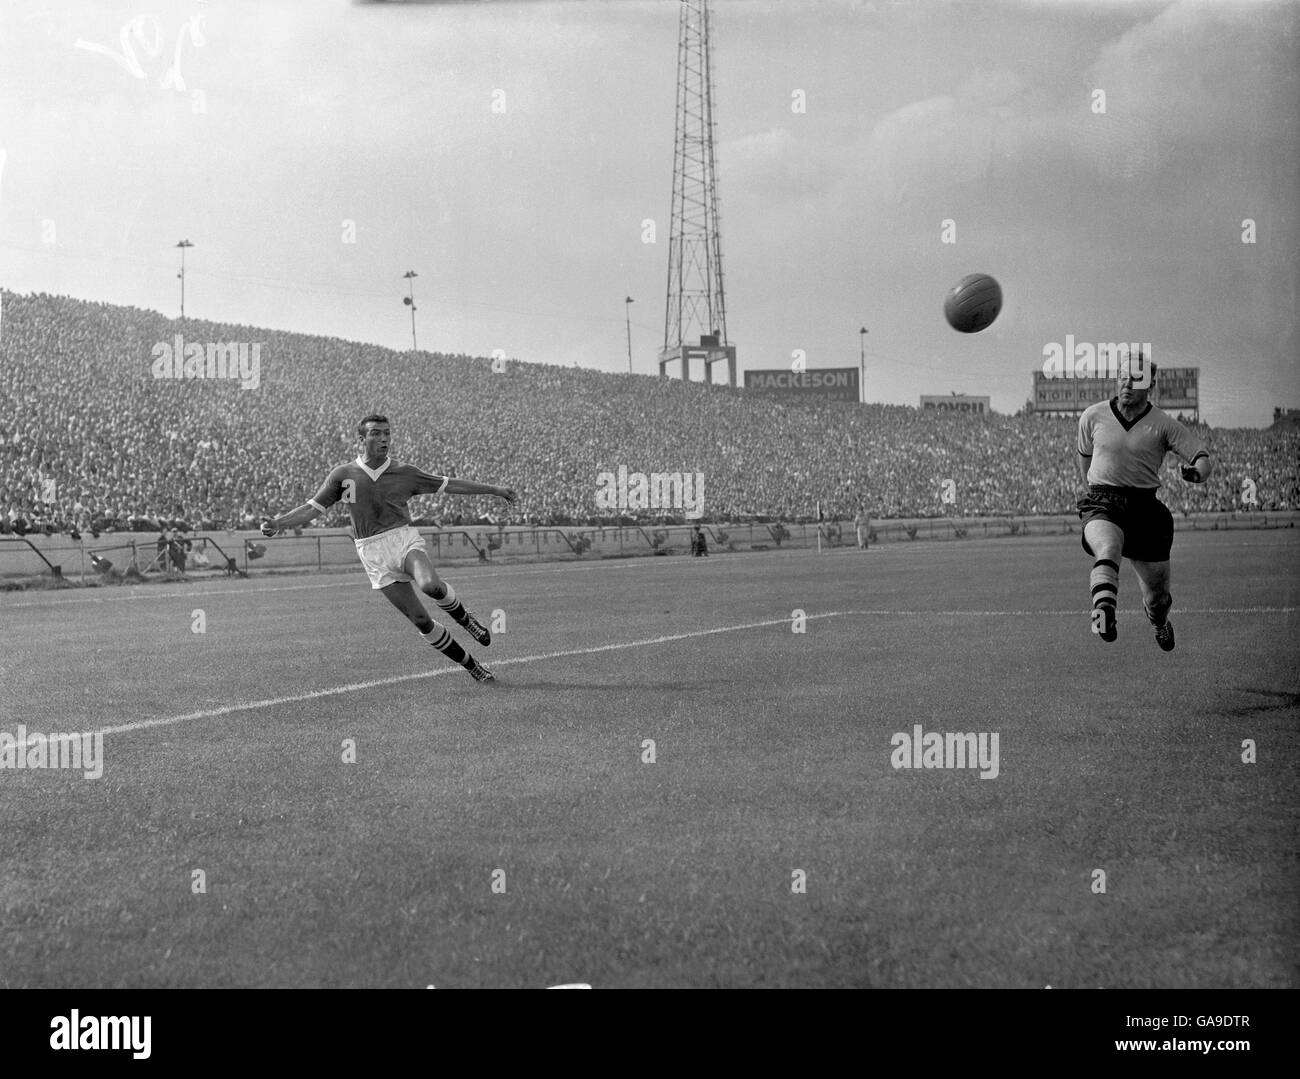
(1158, 609)
(452, 605)
(441, 639)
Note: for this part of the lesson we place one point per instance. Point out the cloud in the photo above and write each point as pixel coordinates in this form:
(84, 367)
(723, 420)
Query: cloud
(776, 164)
(1172, 87)
(943, 140)
(1172, 93)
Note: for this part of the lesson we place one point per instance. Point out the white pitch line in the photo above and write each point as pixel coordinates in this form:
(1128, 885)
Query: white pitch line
(212, 713)
(1080, 611)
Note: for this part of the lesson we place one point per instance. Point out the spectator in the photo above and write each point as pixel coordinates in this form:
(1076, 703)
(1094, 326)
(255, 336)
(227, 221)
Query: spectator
(862, 526)
(119, 450)
(179, 549)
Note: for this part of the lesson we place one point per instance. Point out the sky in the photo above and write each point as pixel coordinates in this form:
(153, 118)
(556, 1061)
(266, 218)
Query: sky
(510, 153)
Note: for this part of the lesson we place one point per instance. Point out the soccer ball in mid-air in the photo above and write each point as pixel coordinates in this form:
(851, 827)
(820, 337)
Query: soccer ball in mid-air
(973, 303)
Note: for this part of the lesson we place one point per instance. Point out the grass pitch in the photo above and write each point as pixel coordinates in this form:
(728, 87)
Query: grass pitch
(224, 753)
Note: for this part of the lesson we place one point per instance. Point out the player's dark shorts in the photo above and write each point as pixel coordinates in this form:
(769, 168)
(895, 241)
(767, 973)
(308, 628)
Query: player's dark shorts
(1147, 525)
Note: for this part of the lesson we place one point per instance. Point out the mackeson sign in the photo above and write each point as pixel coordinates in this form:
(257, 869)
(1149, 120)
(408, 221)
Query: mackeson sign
(831, 383)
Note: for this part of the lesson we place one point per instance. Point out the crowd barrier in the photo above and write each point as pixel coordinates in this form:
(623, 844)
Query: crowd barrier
(134, 555)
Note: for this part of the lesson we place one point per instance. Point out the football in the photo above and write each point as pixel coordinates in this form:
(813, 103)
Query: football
(973, 303)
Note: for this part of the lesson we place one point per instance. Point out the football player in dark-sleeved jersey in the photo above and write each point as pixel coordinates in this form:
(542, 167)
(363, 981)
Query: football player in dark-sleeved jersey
(375, 490)
(1122, 443)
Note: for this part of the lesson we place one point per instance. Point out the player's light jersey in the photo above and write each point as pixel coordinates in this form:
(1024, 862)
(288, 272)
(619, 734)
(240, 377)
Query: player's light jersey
(376, 498)
(1128, 453)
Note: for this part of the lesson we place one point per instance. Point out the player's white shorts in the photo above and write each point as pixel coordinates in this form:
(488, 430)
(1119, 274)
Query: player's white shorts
(384, 554)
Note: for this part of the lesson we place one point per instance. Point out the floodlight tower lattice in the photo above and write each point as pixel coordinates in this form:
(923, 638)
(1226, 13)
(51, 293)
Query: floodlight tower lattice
(695, 318)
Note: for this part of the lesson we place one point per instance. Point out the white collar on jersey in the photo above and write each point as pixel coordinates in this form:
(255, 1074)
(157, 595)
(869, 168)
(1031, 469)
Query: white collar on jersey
(373, 473)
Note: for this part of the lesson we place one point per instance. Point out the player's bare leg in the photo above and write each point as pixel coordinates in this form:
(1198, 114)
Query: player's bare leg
(426, 579)
(402, 596)
(1107, 542)
(1154, 580)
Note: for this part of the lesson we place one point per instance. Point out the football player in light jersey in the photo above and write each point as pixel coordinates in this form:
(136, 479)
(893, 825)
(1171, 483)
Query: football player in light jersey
(375, 490)
(1122, 443)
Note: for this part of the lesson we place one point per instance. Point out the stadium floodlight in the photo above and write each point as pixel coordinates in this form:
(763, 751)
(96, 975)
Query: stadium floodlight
(410, 276)
(862, 362)
(627, 317)
(696, 303)
(183, 245)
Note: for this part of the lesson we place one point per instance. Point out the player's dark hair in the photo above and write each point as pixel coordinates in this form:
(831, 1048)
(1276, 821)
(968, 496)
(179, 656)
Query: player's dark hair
(374, 417)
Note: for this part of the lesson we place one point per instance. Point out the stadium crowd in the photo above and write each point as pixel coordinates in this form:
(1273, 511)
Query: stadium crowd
(91, 441)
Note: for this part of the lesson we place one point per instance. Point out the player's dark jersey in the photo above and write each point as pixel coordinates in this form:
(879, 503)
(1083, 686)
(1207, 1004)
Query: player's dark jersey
(376, 498)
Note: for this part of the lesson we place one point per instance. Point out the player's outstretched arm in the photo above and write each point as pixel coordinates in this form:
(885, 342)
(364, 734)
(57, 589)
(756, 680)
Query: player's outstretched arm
(469, 487)
(295, 518)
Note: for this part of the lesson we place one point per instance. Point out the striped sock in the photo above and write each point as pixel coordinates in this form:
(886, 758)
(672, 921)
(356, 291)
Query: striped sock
(451, 604)
(1105, 583)
(442, 640)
